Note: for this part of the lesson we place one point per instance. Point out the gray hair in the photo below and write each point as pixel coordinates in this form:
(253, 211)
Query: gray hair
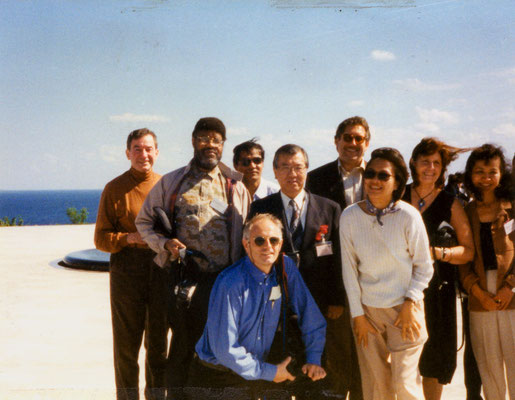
(258, 217)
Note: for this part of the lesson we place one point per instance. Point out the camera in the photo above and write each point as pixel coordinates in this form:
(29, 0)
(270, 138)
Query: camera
(184, 291)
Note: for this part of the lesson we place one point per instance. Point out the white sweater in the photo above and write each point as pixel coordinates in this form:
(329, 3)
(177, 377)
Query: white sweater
(382, 265)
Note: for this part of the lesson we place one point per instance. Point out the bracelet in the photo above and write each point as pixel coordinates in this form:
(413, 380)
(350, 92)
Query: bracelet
(444, 253)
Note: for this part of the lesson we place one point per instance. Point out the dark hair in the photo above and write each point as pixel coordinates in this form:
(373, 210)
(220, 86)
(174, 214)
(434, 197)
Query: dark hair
(290, 149)
(209, 124)
(138, 133)
(400, 170)
(352, 121)
(429, 146)
(246, 147)
(487, 153)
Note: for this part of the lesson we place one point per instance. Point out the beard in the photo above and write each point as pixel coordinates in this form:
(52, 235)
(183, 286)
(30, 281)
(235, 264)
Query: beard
(205, 162)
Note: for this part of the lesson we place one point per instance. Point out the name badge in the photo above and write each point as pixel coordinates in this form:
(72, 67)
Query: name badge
(509, 226)
(275, 294)
(219, 205)
(324, 249)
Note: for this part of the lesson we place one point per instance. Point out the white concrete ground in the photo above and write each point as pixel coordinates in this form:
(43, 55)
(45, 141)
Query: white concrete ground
(55, 336)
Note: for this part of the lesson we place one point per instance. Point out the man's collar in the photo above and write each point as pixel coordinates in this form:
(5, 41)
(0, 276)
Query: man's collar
(299, 199)
(224, 169)
(258, 275)
(361, 166)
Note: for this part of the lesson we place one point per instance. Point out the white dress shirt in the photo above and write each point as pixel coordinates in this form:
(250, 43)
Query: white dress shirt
(352, 182)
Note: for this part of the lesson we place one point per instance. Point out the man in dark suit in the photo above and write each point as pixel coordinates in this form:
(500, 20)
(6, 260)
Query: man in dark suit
(310, 230)
(342, 181)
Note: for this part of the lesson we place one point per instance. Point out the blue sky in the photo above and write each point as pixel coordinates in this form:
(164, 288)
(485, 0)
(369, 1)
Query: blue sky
(77, 76)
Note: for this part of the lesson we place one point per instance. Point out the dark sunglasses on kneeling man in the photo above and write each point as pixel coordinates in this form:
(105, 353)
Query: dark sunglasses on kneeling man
(260, 240)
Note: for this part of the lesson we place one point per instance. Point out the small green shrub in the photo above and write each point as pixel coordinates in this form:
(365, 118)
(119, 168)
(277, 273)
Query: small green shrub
(16, 221)
(77, 217)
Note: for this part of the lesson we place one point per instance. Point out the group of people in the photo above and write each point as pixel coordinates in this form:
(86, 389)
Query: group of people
(337, 282)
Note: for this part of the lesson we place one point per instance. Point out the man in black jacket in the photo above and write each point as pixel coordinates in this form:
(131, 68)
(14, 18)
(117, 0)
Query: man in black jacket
(310, 230)
(342, 181)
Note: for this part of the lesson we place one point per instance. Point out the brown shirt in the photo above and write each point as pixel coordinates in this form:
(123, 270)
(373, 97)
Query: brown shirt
(474, 272)
(119, 205)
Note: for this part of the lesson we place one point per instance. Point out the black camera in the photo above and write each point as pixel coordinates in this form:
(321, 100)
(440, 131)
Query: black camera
(184, 292)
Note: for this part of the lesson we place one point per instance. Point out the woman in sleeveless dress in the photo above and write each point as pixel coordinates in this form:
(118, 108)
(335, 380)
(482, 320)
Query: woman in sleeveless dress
(438, 207)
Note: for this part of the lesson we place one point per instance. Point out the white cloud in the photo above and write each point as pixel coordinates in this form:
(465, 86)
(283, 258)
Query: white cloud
(356, 103)
(238, 132)
(427, 127)
(434, 116)
(507, 130)
(111, 153)
(129, 117)
(382, 55)
(416, 85)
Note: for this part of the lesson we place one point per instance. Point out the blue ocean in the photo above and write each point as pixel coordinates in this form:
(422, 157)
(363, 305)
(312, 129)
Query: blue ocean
(48, 207)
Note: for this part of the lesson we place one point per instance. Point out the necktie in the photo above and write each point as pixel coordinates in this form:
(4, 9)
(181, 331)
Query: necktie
(295, 226)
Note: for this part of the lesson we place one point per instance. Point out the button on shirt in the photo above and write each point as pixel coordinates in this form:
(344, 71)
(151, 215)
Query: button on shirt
(242, 320)
(352, 182)
(302, 203)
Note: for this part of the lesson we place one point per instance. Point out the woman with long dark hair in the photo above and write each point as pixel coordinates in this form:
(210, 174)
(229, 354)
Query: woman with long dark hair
(386, 266)
(490, 278)
(441, 211)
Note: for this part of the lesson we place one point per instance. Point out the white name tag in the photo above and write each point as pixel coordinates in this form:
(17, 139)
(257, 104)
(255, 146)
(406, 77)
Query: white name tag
(219, 205)
(324, 249)
(509, 226)
(275, 294)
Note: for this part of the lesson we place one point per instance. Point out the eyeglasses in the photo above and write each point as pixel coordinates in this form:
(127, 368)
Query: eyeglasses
(286, 169)
(206, 140)
(246, 161)
(260, 241)
(348, 138)
(381, 175)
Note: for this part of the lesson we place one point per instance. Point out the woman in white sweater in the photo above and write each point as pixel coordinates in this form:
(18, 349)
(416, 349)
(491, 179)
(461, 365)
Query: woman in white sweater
(386, 265)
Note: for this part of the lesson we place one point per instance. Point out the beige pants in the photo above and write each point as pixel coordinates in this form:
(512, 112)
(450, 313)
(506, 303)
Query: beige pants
(492, 336)
(389, 365)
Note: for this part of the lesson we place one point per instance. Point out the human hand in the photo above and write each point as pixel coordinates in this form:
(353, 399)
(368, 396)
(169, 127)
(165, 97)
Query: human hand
(334, 312)
(282, 373)
(134, 238)
(173, 246)
(362, 327)
(407, 321)
(503, 297)
(486, 299)
(315, 372)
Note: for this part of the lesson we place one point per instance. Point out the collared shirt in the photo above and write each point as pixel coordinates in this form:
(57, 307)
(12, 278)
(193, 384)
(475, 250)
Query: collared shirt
(201, 226)
(352, 182)
(266, 188)
(302, 202)
(242, 320)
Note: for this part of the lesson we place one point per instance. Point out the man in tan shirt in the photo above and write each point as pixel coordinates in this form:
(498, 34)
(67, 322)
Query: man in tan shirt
(138, 286)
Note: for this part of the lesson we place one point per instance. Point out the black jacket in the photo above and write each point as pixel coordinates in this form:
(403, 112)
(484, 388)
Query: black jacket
(322, 275)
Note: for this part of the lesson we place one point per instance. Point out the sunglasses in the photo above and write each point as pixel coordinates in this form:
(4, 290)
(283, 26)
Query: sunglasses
(348, 138)
(260, 241)
(204, 140)
(371, 174)
(246, 161)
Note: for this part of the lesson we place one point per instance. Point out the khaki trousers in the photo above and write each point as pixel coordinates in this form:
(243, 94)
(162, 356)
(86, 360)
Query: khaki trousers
(492, 334)
(389, 365)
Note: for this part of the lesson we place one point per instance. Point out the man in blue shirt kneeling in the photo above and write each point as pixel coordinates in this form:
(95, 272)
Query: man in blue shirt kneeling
(245, 310)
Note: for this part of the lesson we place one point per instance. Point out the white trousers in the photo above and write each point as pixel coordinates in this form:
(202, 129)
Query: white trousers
(492, 335)
(389, 365)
